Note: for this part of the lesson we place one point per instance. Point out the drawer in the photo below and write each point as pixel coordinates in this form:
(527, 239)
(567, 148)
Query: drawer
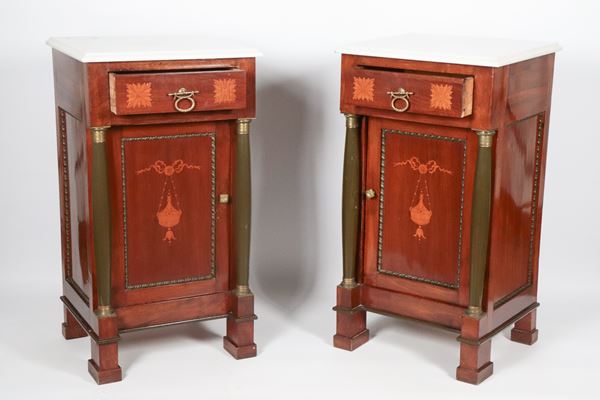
(409, 92)
(177, 91)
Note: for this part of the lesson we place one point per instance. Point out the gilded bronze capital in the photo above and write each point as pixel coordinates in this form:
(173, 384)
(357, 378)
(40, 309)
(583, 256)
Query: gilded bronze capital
(348, 283)
(243, 126)
(99, 133)
(352, 121)
(486, 137)
(242, 290)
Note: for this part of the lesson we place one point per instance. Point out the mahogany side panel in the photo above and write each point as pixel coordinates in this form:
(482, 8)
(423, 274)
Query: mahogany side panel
(79, 243)
(519, 181)
(73, 178)
(529, 88)
(69, 84)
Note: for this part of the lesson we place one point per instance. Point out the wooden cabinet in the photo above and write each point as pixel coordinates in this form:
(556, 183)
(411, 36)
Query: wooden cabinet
(154, 167)
(443, 187)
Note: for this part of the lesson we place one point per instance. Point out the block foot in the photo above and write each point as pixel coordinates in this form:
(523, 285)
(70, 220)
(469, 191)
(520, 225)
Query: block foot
(239, 340)
(102, 376)
(525, 331)
(71, 329)
(474, 376)
(239, 352)
(351, 343)
(475, 364)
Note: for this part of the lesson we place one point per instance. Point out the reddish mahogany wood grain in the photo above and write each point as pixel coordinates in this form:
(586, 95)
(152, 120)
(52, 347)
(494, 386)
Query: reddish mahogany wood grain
(163, 312)
(98, 93)
(529, 88)
(151, 92)
(514, 101)
(71, 329)
(239, 340)
(82, 98)
(351, 323)
(441, 95)
(79, 218)
(69, 84)
(413, 307)
(441, 255)
(512, 243)
(483, 90)
(150, 258)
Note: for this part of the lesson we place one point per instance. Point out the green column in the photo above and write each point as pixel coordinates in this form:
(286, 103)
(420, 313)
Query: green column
(101, 220)
(351, 199)
(242, 205)
(480, 220)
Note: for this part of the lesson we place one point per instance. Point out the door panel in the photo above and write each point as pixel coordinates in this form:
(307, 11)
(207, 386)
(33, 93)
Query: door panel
(417, 226)
(173, 234)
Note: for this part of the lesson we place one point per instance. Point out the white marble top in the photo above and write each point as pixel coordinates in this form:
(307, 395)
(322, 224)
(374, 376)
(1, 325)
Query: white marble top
(488, 52)
(148, 48)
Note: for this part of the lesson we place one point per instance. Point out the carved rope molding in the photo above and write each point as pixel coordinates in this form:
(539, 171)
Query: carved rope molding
(66, 205)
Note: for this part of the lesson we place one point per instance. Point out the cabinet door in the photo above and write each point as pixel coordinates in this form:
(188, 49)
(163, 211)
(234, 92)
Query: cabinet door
(170, 233)
(417, 226)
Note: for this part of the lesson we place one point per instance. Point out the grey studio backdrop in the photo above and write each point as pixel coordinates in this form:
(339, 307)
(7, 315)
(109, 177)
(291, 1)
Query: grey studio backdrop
(297, 148)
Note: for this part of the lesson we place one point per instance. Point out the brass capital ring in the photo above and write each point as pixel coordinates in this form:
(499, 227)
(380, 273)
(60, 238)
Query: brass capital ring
(189, 108)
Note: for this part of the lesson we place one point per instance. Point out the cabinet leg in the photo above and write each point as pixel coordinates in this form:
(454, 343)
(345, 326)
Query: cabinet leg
(351, 323)
(351, 329)
(239, 341)
(71, 329)
(525, 330)
(104, 364)
(475, 365)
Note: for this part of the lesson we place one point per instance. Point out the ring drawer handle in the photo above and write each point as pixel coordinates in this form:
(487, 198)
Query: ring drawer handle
(183, 94)
(403, 95)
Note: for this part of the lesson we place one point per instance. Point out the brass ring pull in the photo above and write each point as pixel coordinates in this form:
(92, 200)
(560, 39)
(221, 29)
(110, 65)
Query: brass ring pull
(403, 95)
(183, 94)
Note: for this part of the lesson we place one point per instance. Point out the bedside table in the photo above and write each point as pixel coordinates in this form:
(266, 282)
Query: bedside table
(443, 187)
(154, 175)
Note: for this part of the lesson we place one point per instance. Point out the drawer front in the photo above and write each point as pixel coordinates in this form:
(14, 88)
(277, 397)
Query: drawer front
(409, 92)
(177, 92)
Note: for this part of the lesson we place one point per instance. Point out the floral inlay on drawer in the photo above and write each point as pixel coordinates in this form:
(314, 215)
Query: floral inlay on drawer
(224, 91)
(139, 95)
(411, 92)
(363, 88)
(441, 96)
(222, 88)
